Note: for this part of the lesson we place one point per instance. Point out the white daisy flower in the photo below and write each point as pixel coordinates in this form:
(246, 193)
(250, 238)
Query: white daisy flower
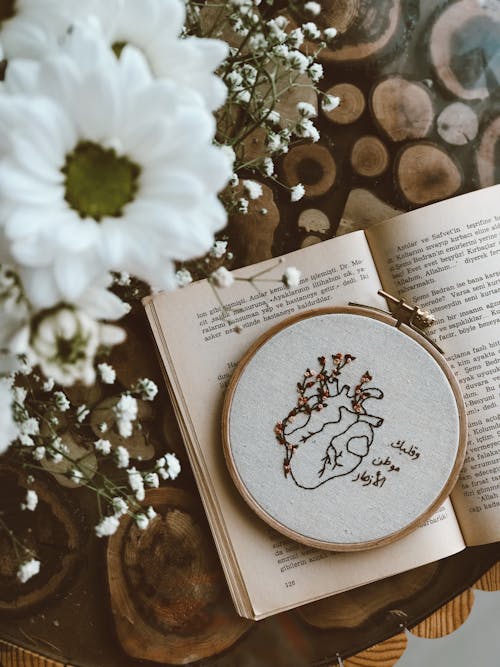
(104, 168)
(153, 27)
(64, 341)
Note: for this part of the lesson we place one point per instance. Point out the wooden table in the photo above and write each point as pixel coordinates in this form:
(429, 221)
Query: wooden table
(412, 128)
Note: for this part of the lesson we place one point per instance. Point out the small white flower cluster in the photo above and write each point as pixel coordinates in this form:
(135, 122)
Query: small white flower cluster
(168, 466)
(125, 413)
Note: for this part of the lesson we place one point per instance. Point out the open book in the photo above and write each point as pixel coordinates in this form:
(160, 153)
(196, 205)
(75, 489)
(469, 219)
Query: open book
(444, 258)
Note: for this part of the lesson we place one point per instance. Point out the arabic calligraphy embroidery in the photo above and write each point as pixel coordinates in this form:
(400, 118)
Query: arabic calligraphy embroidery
(329, 432)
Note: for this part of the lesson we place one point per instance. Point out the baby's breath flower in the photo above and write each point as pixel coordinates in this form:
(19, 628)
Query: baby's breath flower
(329, 34)
(253, 188)
(123, 279)
(234, 180)
(306, 110)
(315, 72)
(102, 446)
(103, 427)
(119, 506)
(122, 457)
(242, 205)
(75, 475)
(39, 453)
(61, 401)
(31, 500)
(268, 166)
(313, 8)
(291, 277)
(297, 192)
(311, 30)
(298, 61)
(146, 388)
(107, 373)
(19, 394)
(151, 513)
(330, 102)
(136, 483)
(48, 385)
(222, 277)
(82, 412)
(173, 465)
(183, 277)
(142, 521)
(126, 412)
(218, 249)
(307, 130)
(28, 569)
(151, 479)
(243, 97)
(296, 38)
(107, 526)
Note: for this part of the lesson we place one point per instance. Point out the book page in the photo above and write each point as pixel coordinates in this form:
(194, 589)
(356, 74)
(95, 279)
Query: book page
(446, 258)
(200, 349)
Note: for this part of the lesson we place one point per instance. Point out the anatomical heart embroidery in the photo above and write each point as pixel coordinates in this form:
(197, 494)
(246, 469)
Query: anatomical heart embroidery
(330, 430)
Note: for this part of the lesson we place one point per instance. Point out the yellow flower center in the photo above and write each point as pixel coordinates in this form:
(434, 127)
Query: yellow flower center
(99, 183)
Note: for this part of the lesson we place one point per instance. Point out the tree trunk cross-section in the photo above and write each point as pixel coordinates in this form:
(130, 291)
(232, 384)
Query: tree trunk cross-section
(369, 156)
(351, 106)
(457, 124)
(366, 28)
(488, 154)
(402, 109)
(168, 596)
(425, 173)
(311, 165)
(463, 48)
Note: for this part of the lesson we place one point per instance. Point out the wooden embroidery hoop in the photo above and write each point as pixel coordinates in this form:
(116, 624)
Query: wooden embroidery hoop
(406, 329)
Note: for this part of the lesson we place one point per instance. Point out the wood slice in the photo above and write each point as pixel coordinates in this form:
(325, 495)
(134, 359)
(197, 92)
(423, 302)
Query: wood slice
(446, 619)
(253, 147)
(385, 654)
(51, 532)
(168, 595)
(351, 106)
(369, 156)
(457, 124)
(488, 154)
(366, 28)
(425, 173)
(402, 109)
(463, 45)
(313, 166)
(362, 210)
(13, 656)
(490, 581)
(314, 220)
(252, 233)
(352, 608)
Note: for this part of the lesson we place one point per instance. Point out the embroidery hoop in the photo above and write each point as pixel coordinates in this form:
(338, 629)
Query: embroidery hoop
(241, 478)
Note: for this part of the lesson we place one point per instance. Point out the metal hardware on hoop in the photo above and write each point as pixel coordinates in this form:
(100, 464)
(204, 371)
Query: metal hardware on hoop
(404, 313)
